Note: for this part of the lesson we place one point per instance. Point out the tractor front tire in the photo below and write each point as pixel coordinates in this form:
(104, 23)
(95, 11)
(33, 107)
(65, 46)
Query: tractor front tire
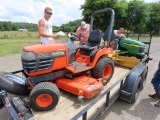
(13, 83)
(44, 96)
(103, 69)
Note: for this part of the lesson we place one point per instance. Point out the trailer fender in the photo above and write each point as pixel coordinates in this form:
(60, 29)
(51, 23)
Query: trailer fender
(133, 84)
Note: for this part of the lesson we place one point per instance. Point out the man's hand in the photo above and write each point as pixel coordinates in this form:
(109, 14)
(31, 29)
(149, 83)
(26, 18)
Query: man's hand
(55, 36)
(122, 36)
(81, 38)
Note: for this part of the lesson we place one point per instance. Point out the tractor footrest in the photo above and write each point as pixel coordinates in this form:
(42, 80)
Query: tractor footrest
(77, 67)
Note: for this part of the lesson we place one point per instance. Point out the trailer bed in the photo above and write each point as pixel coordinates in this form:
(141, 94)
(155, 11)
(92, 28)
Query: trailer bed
(69, 106)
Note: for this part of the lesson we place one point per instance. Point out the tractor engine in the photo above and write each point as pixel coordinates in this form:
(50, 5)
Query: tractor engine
(45, 58)
(131, 47)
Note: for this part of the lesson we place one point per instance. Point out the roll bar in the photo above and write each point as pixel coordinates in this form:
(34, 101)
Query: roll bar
(111, 21)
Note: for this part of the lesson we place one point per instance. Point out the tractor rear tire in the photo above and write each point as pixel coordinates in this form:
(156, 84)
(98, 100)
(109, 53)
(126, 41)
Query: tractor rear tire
(103, 69)
(44, 96)
(13, 83)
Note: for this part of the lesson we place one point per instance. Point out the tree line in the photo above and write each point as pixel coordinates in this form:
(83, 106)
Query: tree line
(134, 15)
(15, 26)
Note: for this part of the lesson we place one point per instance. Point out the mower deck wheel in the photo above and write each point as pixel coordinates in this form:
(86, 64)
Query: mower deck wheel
(81, 99)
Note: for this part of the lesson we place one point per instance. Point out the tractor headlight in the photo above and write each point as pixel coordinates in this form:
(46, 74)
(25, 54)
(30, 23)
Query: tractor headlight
(28, 55)
(141, 49)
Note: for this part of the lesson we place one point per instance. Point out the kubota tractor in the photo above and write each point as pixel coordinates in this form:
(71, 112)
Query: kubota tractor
(82, 71)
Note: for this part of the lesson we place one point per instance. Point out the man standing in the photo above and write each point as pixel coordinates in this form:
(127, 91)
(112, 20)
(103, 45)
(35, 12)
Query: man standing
(83, 32)
(45, 27)
(156, 84)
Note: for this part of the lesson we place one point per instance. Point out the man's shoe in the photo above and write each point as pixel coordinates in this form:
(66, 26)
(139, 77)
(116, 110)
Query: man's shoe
(157, 104)
(156, 95)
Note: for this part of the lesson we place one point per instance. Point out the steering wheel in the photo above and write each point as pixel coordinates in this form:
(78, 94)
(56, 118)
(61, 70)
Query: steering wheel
(73, 37)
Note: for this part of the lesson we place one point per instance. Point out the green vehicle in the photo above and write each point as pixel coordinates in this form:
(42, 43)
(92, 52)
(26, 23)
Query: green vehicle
(131, 47)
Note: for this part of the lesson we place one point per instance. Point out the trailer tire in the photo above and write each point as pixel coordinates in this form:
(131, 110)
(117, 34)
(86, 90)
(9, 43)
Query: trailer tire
(13, 83)
(44, 96)
(136, 90)
(144, 78)
(104, 68)
(1, 103)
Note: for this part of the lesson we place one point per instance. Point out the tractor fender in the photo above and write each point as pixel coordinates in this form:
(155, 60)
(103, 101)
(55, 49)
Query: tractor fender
(132, 84)
(99, 54)
(93, 54)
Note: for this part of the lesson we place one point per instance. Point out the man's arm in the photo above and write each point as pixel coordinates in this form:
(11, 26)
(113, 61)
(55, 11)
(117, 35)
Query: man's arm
(41, 30)
(78, 33)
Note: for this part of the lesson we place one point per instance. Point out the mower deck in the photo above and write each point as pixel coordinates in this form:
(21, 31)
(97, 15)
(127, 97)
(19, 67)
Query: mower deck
(69, 106)
(84, 86)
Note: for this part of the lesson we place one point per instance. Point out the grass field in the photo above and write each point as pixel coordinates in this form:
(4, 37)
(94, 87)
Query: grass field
(12, 42)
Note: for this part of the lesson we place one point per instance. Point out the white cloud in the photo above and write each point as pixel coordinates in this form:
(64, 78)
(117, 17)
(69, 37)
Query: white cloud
(151, 0)
(32, 10)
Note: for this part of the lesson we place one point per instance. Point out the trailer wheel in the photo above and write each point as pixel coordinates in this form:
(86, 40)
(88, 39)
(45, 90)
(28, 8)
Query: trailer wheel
(1, 103)
(136, 90)
(104, 68)
(144, 78)
(44, 96)
(13, 83)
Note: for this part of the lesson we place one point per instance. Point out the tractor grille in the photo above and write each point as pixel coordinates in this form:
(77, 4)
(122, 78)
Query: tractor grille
(141, 49)
(37, 65)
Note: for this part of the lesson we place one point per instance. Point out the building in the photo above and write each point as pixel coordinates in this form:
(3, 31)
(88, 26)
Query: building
(23, 30)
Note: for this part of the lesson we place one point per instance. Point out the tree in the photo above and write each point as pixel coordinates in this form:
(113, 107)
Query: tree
(1, 26)
(7, 26)
(153, 19)
(136, 16)
(102, 20)
(14, 27)
(133, 15)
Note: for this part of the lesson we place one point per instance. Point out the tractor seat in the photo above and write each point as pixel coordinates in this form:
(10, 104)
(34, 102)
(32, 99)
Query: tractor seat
(94, 41)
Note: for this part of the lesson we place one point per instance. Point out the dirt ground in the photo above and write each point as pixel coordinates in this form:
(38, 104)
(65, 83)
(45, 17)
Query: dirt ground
(143, 109)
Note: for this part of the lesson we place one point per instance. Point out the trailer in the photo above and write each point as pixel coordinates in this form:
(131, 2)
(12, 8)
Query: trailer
(126, 83)
(122, 85)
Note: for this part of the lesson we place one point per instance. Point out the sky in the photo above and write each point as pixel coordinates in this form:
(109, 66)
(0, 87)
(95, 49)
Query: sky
(31, 11)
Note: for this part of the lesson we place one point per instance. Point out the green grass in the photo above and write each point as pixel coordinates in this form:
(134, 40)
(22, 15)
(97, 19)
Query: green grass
(11, 47)
(11, 43)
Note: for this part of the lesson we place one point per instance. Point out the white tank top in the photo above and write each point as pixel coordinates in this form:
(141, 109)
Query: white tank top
(48, 30)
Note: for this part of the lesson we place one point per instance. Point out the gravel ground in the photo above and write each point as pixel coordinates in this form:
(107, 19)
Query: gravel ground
(143, 109)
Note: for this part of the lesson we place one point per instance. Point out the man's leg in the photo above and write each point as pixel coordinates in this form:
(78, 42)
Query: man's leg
(116, 44)
(156, 84)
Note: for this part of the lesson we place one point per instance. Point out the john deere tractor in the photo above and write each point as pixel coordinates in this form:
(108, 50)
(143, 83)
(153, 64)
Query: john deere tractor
(131, 47)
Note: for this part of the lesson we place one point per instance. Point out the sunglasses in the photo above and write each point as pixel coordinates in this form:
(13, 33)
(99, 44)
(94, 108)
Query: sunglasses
(49, 13)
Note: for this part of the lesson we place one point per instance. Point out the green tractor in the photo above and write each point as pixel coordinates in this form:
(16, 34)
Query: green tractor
(131, 47)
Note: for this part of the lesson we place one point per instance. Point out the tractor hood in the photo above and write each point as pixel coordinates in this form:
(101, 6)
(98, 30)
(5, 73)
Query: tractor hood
(131, 41)
(43, 48)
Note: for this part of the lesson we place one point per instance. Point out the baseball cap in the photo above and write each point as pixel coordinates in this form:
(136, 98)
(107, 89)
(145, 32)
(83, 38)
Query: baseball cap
(83, 24)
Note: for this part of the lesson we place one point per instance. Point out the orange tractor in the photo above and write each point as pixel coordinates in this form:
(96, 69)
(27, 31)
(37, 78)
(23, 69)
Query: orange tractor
(82, 71)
